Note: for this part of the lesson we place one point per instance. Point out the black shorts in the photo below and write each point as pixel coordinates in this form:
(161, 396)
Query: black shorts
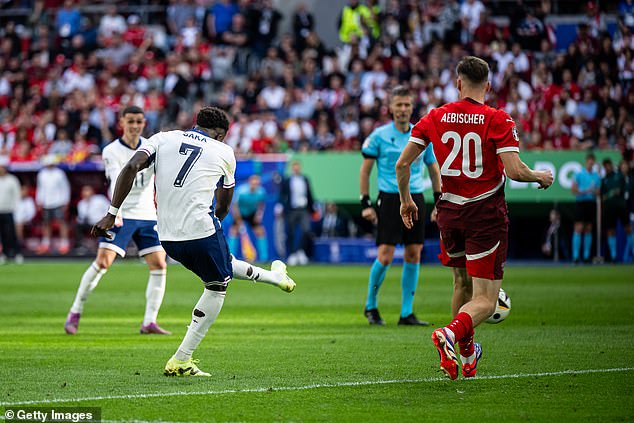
(586, 212)
(53, 214)
(392, 231)
(612, 214)
(250, 219)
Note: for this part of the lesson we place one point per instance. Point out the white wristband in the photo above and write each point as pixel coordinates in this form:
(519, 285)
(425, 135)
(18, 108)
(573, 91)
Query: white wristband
(113, 210)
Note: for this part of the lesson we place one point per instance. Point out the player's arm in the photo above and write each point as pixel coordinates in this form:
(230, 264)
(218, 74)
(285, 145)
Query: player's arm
(223, 201)
(367, 211)
(138, 162)
(517, 170)
(409, 211)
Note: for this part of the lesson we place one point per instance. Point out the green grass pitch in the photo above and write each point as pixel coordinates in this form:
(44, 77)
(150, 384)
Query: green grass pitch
(564, 354)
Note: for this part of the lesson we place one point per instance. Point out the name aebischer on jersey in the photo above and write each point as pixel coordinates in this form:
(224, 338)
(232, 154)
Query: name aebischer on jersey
(465, 118)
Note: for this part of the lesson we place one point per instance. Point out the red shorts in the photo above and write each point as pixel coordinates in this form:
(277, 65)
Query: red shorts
(475, 236)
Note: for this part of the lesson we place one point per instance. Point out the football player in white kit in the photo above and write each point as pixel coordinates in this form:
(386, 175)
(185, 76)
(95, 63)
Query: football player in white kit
(138, 213)
(191, 168)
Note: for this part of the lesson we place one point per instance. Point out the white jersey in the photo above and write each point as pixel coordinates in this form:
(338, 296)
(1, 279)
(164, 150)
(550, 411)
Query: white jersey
(188, 166)
(139, 204)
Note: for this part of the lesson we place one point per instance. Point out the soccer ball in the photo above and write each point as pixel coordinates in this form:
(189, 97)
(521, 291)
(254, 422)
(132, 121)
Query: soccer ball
(503, 308)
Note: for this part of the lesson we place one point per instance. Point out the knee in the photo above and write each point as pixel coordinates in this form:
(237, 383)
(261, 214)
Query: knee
(157, 264)
(385, 260)
(103, 263)
(412, 257)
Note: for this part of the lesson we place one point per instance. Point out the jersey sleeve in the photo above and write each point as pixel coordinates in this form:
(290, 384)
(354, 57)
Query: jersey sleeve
(371, 146)
(229, 171)
(422, 130)
(150, 146)
(503, 133)
(429, 158)
(112, 166)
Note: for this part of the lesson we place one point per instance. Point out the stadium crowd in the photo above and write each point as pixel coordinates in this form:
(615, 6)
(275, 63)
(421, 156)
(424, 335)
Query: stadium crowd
(66, 71)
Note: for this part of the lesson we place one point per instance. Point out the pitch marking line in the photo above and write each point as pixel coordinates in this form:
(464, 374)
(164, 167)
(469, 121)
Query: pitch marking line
(313, 386)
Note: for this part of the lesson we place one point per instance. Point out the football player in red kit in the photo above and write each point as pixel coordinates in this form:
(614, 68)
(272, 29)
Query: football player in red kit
(474, 145)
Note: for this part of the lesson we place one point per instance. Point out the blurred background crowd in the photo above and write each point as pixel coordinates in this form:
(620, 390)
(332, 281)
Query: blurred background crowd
(67, 68)
(293, 80)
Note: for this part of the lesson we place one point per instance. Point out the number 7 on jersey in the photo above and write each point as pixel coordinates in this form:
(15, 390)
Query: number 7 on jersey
(194, 154)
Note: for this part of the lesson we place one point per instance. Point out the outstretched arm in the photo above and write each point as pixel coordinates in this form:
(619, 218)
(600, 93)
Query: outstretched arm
(138, 162)
(409, 211)
(223, 201)
(367, 211)
(517, 170)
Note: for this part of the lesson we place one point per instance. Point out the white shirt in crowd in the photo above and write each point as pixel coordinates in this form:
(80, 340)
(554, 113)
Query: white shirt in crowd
(298, 192)
(189, 165)
(9, 193)
(90, 210)
(140, 202)
(25, 211)
(53, 188)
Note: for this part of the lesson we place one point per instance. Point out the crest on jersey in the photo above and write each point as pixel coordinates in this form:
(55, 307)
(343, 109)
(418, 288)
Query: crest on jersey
(515, 134)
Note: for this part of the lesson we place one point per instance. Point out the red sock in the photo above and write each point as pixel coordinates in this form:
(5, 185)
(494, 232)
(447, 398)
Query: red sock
(466, 345)
(461, 325)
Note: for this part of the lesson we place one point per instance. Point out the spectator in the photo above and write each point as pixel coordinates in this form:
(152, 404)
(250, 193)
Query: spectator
(219, 18)
(90, 209)
(111, 23)
(585, 186)
(334, 223)
(354, 21)
(52, 199)
(614, 197)
(297, 199)
(303, 23)
(24, 213)
(249, 205)
(531, 31)
(68, 20)
(9, 199)
(264, 21)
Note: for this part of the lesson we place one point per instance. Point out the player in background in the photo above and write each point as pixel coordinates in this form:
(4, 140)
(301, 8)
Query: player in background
(614, 196)
(384, 145)
(474, 145)
(585, 186)
(189, 165)
(138, 223)
(250, 200)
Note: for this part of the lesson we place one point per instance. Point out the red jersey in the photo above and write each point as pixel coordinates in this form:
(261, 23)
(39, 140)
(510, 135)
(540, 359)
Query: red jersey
(467, 138)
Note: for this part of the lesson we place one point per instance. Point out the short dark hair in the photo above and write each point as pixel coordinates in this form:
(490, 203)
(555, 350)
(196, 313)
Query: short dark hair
(212, 117)
(591, 156)
(400, 91)
(607, 161)
(132, 110)
(474, 69)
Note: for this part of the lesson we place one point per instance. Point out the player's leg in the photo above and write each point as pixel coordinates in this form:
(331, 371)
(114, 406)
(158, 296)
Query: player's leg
(64, 246)
(409, 281)
(89, 280)
(45, 243)
(232, 238)
(389, 233)
(587, 241)
(462, 289)
(147, 241)
(154, 293)
(261, 242)
(413, 240)
(576, 241)
(209, 258)
(277, 276)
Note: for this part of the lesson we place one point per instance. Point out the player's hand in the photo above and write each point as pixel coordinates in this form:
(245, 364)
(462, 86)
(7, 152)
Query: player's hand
(409, 213)
(433, 215)
(369, 214)
(101, 227)
(545, 179)
(118, 221)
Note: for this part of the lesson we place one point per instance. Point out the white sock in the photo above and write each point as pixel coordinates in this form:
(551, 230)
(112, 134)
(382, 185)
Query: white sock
(248, 272)
(154, 295)
(468, 360)
(204, 314)
(89, 281)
